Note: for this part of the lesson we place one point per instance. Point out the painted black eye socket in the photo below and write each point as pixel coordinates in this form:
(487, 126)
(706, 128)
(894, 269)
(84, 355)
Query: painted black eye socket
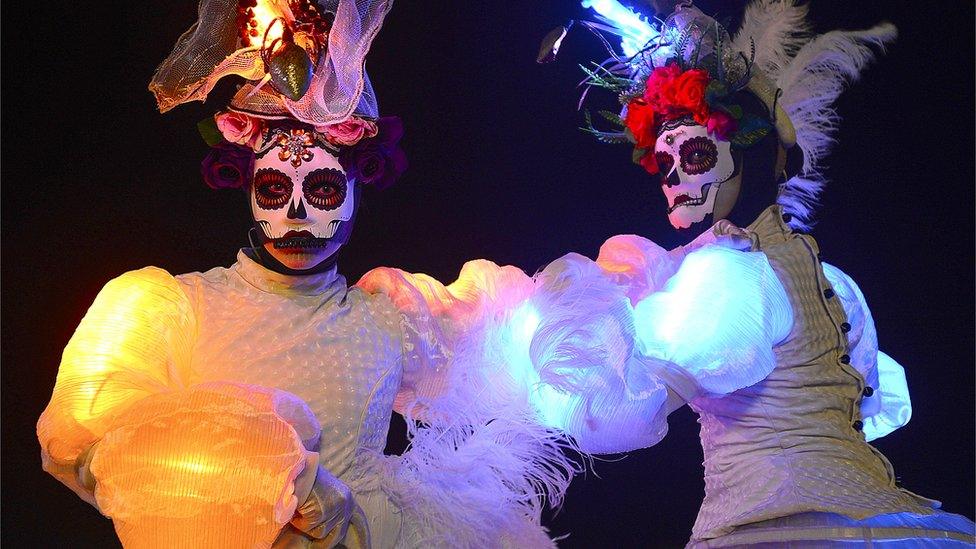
(272, 189)
(698, 155)
(325, 188)
(664, 162)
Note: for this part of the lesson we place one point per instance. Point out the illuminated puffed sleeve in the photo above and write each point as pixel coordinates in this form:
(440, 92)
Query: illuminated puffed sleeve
(161, 458)
(561, 343)
(889, 405)
(134, 341)
(479, 461)
(628, 339)
(717, 319)
(601, 350)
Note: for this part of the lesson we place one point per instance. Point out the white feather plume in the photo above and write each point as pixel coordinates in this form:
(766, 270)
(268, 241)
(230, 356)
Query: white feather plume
(777, 29)
(811, 83)
(480, 466)
(811, 71)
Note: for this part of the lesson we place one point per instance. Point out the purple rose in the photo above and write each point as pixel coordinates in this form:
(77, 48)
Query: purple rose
(228, 166)
(379, 160)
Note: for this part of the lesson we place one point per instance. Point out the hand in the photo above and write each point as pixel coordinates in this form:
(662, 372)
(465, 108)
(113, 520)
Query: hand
(83, 465)
(329, 516)
(727, 234)
(723, 233)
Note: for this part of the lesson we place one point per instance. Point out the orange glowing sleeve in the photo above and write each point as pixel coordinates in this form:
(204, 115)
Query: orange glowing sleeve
(134, 341)
(210, 465)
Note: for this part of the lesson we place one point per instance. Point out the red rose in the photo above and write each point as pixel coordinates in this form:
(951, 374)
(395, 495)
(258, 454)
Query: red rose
(228, 166)
(689, 93)
(640, 122)
(649, 162)
(659, 89)
(349, 132)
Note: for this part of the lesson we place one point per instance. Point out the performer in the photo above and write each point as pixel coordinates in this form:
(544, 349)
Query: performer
(736, 129)
(249, 406)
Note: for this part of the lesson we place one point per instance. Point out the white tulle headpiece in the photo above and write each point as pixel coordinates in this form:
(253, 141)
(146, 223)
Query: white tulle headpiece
(303, 59)
(795, 72)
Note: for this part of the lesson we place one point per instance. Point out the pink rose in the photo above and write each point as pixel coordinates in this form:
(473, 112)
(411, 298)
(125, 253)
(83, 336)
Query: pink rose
(349, 132)
(238, 128)
(721, 125)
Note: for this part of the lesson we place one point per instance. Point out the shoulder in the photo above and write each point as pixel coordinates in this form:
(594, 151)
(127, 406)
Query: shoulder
(214, 276)
(147, 280)
(149, 292)
(631, 253)
(720, 266)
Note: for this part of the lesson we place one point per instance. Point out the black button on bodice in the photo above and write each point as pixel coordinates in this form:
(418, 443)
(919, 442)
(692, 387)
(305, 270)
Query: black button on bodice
(868, 391)
(845, 359)
(857, 425)
(829, 293)
(787, 218)
(845, 327)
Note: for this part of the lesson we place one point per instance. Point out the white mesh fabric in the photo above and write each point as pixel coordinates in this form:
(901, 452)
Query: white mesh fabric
(204, 54)
(210, 51)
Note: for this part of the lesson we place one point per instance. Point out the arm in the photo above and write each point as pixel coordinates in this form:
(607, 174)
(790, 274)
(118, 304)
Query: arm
(708, 330)
(601, 350)
(889, 405)
(123, 414)
(500, 367)
(134, 342)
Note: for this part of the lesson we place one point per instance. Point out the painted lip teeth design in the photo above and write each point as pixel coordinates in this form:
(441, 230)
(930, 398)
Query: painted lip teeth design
(303, 238)
(688, 201)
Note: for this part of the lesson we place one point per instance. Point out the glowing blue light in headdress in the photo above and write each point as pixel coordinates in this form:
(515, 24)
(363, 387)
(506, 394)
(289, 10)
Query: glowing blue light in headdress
(635, 30)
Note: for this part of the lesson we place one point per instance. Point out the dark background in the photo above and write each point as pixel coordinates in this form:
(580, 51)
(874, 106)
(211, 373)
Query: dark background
(96, 182)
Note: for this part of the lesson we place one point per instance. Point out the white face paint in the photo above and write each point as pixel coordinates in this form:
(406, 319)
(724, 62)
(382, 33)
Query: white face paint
(303, 204)
(693, 166)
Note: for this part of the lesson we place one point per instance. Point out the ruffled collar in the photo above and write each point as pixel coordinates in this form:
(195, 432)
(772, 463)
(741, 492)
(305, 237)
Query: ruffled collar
(325, 284)
(770, 227)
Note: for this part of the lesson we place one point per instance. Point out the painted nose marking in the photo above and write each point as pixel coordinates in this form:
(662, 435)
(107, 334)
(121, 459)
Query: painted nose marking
(299, 212)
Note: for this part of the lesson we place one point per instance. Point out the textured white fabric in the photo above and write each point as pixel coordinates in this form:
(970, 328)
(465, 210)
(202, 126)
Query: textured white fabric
(473, 477)
(718, 318)
(134, 342)
(890, 406)
(791, 443)
(342, 350)
(815, 530)
(220, 451)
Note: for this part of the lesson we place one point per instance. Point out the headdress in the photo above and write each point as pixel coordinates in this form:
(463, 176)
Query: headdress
(689, 66)
(305, 85)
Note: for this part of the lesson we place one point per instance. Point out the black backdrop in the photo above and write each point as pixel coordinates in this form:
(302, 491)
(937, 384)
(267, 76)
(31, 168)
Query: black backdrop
(95, 183)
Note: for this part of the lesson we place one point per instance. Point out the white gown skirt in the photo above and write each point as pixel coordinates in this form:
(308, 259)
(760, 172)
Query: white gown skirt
(830, 530)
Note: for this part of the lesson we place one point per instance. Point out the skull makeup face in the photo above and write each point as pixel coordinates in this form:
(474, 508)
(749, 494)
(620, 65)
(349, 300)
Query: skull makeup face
(301, 201)
(699, 175)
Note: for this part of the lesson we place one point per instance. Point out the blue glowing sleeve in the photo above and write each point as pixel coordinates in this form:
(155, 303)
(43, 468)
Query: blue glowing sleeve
(717, 319)
(600, 350)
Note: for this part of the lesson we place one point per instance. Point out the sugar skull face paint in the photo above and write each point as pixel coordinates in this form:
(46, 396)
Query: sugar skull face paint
(303, 210)
(693, 165)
